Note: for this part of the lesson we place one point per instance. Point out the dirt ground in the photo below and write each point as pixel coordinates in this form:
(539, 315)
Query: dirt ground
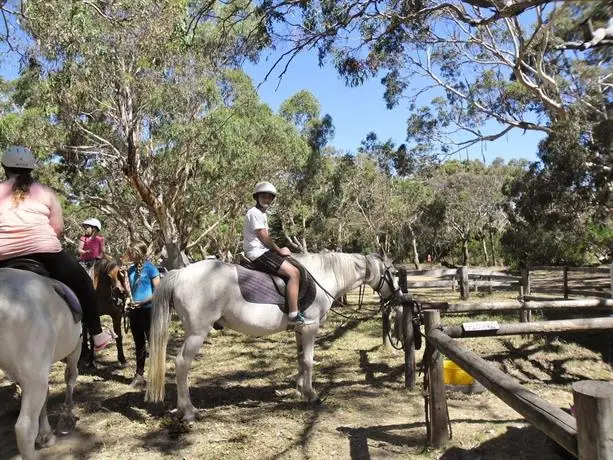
(250, 411)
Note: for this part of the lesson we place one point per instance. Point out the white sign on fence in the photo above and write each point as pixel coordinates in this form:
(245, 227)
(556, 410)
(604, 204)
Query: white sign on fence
(480, 326)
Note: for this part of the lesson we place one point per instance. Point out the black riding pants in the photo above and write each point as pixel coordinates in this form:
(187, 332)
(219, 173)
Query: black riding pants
(140, 322)
(65, 268)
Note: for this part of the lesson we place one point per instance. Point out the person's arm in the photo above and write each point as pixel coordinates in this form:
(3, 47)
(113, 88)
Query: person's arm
(102, 248)
(56, 218)
(265, 238)
(82, 249)
(155, 281)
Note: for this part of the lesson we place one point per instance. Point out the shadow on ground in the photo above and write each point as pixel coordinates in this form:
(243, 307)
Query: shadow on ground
(526, 443)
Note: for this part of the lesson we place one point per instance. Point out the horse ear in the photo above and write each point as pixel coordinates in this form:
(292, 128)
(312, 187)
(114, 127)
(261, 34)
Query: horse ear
(382, 254)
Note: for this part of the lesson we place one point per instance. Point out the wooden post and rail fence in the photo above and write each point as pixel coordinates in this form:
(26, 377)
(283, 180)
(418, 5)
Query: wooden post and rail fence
(587, 281)
(586, 436)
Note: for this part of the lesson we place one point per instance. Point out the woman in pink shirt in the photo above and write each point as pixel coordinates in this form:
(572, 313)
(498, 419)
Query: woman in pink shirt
(31, 223)
(91, 244)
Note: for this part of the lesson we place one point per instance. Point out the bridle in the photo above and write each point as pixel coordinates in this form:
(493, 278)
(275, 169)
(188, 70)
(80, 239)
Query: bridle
(386, 277)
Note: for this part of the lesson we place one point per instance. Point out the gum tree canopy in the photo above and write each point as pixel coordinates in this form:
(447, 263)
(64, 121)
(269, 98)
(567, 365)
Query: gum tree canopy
(461, 64)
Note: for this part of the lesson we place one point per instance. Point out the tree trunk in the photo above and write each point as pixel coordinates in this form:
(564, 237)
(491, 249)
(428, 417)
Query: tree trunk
(175, 258)
(485, 254)
(493, 248)
(465, 252)
(304, 243)
(414, 246)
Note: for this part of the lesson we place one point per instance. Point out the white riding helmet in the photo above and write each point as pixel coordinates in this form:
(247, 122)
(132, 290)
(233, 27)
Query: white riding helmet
(264, 187)
(17, 156)
(93, 223)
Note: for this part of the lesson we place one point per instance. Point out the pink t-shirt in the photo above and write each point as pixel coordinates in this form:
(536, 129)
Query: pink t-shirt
(93, 244)
(31, 226)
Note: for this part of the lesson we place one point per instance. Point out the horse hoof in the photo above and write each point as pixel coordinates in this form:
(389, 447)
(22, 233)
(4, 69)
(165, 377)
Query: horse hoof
(191, 416)
(314, 400)
(66, 424)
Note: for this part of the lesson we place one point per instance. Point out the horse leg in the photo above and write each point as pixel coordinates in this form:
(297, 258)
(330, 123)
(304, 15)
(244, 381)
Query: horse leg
(119, 340)
(33, 397)
(67, 420)
(45, 437)
(183, 363)
(305, 342)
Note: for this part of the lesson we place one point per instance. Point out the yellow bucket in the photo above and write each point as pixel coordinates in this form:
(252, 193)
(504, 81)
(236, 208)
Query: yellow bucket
(455, 375)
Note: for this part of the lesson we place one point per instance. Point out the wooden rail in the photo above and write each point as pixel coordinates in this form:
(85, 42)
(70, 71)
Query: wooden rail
(551, 420)
(510, 305)
(587, 436)
(464, 279)
(599, 282)
(565, 325)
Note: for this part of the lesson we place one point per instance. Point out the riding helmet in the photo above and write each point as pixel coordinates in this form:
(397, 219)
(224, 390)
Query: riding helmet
(17, 156)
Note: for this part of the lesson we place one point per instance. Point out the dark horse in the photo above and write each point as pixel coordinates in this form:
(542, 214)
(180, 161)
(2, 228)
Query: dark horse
(111, 286)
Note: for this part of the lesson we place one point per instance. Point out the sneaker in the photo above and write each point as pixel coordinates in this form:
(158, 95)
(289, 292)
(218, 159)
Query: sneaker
(138, 381)
(103, 340)
(296, 321)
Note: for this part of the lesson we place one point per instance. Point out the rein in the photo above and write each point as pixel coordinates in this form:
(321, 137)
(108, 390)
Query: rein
(385, 277)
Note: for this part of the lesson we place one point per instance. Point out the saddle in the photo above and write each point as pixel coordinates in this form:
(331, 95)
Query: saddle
(34, 266)
(260, 287)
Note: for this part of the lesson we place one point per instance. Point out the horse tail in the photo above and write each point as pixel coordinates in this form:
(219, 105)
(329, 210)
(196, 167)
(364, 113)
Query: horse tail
(158, 337)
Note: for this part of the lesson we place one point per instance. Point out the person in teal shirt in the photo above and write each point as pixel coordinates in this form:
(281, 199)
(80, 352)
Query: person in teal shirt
(144, 277)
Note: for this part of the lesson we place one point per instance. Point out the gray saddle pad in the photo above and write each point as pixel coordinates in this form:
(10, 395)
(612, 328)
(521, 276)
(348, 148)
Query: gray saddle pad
(70, 298)
(260, 287)
(34, 266)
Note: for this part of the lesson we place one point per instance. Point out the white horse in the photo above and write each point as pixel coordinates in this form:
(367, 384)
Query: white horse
(36, 329)
(208, 292)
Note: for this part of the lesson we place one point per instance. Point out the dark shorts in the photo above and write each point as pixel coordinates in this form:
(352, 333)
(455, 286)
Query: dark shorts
(269, 262)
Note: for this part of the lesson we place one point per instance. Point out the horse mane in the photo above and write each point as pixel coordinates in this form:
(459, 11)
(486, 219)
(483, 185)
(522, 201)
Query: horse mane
(343, 265)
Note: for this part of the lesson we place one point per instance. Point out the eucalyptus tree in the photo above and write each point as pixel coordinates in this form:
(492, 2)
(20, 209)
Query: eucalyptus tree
(471, 196)
(157, 111)
(402, 166)
(480, 67)
(559, 211)
(301, 217)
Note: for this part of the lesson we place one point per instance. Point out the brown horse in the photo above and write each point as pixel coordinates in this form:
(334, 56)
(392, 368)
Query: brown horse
(111, 286)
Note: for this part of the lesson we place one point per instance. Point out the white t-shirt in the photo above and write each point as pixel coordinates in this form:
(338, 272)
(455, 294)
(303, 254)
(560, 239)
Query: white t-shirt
(252, 245)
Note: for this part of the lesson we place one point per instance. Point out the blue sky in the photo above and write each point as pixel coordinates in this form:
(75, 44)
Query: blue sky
(357, 111)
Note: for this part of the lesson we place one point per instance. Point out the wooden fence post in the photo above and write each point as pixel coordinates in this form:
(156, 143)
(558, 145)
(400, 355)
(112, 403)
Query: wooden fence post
(566, 282)
(463, 278)
(525, 316)
(611, 282)
(594, 414)
(438, 427)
